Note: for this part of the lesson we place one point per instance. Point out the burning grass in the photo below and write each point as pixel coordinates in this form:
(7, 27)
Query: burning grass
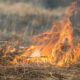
(54, 46)
(52, 55)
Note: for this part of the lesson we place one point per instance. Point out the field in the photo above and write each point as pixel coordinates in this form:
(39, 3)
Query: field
(20, 20)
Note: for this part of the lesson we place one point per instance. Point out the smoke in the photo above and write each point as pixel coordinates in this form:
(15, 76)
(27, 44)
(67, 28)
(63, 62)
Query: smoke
(44, 3)
(28, 17)
(51, 3)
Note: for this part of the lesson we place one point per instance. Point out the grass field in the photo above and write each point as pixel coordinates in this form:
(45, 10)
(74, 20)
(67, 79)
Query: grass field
(20, 20)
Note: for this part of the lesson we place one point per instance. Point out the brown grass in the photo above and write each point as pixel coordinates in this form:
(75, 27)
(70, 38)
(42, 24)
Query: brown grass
(39, 73)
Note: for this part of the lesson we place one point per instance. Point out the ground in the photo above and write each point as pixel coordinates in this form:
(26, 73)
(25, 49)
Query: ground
(31, 72)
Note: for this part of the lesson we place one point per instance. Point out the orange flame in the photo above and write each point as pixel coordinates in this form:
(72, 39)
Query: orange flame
(54, 46)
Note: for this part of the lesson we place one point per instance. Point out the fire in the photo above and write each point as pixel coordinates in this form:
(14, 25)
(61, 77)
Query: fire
(54, 46)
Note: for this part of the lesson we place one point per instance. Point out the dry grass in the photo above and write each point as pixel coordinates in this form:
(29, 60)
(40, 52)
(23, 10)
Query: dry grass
(39, 73)
(25, 20)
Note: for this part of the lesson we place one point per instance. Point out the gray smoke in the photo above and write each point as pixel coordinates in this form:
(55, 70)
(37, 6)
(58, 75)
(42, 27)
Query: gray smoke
(24, 18)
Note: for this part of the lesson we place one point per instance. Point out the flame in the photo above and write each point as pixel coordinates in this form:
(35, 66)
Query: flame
(54, 46)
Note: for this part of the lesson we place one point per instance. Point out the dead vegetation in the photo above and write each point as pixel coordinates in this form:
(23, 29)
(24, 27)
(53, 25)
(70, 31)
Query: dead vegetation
(39, 73)
(20, 21)
(24, 20)
(34, 71)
